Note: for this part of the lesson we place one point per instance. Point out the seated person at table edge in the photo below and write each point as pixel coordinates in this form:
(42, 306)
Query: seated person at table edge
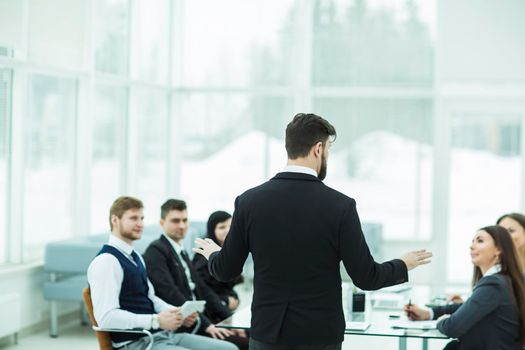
(494, 316)
(218, 227)
(515, 224)
(124, 298)
(174, 277)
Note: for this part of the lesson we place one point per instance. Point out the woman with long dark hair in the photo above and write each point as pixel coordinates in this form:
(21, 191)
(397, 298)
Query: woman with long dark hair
(494, 316)
(515, 224)
(218, 227)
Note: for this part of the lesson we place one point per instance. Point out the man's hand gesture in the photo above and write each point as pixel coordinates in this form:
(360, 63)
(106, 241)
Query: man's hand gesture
(206, 247)
(416, 258)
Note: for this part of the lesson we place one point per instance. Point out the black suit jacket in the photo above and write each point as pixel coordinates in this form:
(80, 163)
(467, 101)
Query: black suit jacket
(298, 231)
(167, 275)
(489, 319)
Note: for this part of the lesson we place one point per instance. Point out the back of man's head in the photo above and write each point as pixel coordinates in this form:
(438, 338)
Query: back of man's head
(172, 204)
(121, 205)
(304, 131)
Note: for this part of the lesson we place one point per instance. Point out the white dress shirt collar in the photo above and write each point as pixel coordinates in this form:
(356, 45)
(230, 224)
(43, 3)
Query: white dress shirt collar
(120, 244)
(175, 245)
(179, 249)
(299, 169)
(493, 270)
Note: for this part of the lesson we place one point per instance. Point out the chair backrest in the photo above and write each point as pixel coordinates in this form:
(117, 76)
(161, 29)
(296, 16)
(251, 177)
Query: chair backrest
(104, 339)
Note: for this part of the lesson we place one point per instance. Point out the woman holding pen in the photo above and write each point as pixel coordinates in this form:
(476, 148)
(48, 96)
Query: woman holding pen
(494, 316)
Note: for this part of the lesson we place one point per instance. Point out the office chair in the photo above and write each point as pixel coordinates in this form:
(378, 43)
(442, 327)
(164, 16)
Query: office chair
(103, 337)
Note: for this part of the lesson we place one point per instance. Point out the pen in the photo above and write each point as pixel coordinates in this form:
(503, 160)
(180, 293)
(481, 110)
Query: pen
(409, 306)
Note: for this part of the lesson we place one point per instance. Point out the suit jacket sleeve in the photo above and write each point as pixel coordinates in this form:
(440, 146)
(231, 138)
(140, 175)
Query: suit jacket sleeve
(160, 276)
(359, 263)
(444, 310)
(485, 299)
(228, 263)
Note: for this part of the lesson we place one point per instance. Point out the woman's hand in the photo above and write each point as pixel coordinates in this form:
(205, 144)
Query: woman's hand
(455, 298)
(415, 313)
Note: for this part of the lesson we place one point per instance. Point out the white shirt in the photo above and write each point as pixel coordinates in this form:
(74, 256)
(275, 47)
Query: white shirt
(299, 169)
(493, 270)
(105, 275)
(178, 249)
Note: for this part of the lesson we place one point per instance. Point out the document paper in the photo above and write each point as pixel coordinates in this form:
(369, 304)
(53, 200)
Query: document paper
(192, 306)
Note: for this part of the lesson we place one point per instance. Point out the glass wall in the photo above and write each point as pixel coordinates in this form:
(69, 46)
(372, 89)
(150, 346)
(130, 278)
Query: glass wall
(5, 116)
(50, 147)
(485, 180)
(111, 26)
(383, 158)
(249, 49)
(152, 41)
(231, 142)
(373, 43)
(190, 99)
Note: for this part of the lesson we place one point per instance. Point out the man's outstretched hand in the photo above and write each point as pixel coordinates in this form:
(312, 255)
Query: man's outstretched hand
(206, 247)
(416, 258)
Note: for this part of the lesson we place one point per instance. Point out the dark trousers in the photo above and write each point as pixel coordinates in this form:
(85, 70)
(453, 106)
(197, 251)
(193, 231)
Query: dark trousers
(241, 342)
(257, 345)
(453, 345)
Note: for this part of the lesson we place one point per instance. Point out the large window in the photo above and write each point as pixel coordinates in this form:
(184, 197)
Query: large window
(152, 41)
(5, 113)
(151, 109)
(485, 180)
(230, 145)
(237, 42)
(111, 26)
(190, 98)
(57, 39)
(377, 43)
(109, 130)
(50, 148)
(383, 158)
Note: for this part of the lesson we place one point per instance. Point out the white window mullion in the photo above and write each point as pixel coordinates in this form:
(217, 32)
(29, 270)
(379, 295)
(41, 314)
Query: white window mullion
(20, 111)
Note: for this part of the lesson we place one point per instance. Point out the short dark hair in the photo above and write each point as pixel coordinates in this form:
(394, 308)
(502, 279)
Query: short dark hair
(121, 205)
(172, 204)
(304, 131)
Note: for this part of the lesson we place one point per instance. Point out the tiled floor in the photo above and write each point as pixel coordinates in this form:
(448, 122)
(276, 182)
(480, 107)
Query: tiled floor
(77, 337)
(72, 337)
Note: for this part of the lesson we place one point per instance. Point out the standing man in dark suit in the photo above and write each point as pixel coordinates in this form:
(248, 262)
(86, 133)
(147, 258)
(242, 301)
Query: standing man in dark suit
(298, 231)
(175, 279)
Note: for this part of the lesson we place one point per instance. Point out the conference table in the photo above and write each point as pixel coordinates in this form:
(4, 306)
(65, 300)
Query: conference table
(380, 320)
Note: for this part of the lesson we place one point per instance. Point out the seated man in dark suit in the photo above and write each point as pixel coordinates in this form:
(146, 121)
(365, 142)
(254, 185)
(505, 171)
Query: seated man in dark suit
(175, 279)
